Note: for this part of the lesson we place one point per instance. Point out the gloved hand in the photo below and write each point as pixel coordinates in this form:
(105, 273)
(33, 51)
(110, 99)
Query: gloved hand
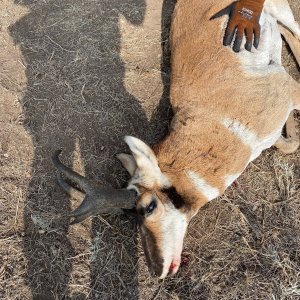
(243, 18)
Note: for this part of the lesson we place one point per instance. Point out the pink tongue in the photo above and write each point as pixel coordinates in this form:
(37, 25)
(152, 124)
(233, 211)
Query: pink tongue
(172, 267)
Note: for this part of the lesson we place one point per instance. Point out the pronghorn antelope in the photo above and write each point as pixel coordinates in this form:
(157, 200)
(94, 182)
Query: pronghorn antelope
(228, 107)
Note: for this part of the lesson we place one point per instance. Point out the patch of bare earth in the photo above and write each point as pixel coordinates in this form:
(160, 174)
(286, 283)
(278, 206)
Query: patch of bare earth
(79, 75)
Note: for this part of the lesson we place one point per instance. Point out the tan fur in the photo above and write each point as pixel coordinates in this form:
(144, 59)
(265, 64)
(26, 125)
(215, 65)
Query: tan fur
(208, 83)
(226, 113)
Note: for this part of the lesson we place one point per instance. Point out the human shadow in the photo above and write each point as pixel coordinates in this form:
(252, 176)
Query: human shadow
(76, 100)
(163, 112)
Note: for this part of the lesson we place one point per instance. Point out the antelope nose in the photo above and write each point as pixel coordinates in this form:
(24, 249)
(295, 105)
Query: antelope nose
(156, 270)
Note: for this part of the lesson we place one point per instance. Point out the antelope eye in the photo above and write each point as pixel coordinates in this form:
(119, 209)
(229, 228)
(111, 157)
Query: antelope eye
(151, 207)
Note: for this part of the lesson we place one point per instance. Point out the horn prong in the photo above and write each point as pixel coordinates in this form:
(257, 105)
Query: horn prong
(85, 207)
(81, 181)
(70, 190)
(98, 199)
(80, 218)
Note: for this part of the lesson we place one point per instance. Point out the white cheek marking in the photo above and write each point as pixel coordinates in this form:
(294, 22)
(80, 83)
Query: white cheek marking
(173, 228)
(202, 186)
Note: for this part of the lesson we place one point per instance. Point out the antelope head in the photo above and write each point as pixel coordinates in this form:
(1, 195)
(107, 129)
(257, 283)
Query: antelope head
(162, 214)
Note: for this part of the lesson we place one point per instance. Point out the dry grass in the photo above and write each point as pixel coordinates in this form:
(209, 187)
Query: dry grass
(79, 75)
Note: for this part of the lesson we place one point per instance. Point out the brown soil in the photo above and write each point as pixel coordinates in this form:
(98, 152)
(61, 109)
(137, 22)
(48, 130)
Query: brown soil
(79, 75)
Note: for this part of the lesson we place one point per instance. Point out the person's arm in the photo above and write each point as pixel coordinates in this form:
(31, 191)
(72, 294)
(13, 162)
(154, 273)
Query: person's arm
(244, 18)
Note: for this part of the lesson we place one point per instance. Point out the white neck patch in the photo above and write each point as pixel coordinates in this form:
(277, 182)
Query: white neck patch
(249, 138)
(202, 186)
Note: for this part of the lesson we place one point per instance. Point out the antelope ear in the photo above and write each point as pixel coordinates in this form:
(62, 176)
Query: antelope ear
(147, 165)
(128, 162)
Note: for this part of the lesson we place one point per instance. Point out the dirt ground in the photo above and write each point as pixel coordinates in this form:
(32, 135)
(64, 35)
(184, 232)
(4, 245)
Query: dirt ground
(79, 75)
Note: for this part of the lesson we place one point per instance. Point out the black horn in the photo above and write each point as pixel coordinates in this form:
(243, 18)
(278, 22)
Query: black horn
(97, 199)
(81, 181)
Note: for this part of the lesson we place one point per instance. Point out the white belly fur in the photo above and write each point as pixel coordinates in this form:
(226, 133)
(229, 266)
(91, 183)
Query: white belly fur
(267, 58)
(250, 139)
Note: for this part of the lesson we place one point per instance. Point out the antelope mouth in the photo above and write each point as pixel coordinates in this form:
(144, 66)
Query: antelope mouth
(171, 268)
